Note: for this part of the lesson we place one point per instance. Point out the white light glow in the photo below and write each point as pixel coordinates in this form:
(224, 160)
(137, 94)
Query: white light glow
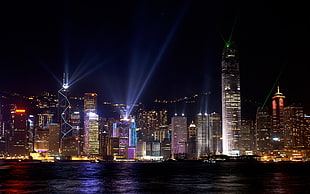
(65, 86)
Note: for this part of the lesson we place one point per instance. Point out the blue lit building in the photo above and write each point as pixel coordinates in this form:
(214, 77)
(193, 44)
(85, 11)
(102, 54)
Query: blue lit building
(125, 130)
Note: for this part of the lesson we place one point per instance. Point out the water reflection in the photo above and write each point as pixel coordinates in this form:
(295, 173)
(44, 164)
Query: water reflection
(20, 178)
(154, 178)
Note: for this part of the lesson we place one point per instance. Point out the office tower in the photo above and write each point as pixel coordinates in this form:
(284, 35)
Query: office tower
(41, 138)
(125, 131)
(247, 137)
(192, 139)
(18, 134)
(77, 130)
(295, 128)
(202, 124)
(44, 119)
(165, 147)
(53, 138)
(141, 149)
(153, 148)
(215, 133)
(64, 107)
(263, 131)
(90, 102)
(161, 133)
(76, 121)
(103, 144)
(179, 137)
(231, 101)
(277, 120)
(113, 148)
(91, 125)
(149, 122)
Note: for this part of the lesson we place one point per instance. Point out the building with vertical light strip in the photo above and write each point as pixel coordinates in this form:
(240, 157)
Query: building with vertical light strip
(91, 125)
(125, 131)
(231, 101)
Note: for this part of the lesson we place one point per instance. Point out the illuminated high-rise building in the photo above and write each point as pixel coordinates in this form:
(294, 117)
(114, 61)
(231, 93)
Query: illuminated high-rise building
(192, 141)
(64, 107)
(263, 131)
(125, 131)
(295, 132)
(231, 101)
(149, 122)
(209, 134)
(179, 137)
(247, 137)
(215, 133)
(91, 125)
(41, 139)
(202, 131)
(91, 135)
(19, 133)
(53, 138)
(277, 134)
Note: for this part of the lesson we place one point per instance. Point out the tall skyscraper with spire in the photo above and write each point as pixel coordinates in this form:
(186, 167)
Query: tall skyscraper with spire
(277, 120)
(231, 101)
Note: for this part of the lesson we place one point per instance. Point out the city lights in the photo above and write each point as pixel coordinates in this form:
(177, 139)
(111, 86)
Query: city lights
(20, 111)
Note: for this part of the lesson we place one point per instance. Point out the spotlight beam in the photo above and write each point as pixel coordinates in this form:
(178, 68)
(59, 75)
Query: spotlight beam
(158, 58)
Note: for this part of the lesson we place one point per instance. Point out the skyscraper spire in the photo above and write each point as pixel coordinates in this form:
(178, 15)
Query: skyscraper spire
(65, 81)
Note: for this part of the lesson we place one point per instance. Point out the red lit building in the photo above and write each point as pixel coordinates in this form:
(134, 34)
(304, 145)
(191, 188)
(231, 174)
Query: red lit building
(277, 120)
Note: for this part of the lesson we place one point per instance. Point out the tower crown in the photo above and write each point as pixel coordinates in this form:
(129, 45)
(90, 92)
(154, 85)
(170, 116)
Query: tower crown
(278, 94)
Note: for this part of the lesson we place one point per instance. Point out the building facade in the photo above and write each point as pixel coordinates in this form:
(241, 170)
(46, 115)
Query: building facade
(231, 101)
(179, 137)
(91, 125)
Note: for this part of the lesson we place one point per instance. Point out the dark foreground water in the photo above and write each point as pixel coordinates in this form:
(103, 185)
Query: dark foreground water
(73, 177)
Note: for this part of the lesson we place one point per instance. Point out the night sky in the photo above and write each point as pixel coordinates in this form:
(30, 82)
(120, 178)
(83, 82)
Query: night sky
(171, 49)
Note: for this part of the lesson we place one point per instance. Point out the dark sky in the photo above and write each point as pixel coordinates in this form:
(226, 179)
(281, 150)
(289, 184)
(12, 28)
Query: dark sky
(169, 48)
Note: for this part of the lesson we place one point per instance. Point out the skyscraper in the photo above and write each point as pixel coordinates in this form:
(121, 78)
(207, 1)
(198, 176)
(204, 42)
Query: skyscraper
(53, 138)
(202, 122)
(215, 133)
(64, 107)
(231, 101)
(192, 141)
(263, 130)
(179, 136)
(277, 120)
(18, 139)
(91, 124)
(125, 131)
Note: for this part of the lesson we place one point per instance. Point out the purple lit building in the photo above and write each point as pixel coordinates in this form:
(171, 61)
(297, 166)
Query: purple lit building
(179, 137)
(125, 130)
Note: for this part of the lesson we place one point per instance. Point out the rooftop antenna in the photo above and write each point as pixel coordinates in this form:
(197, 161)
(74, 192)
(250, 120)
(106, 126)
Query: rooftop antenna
(65, 81)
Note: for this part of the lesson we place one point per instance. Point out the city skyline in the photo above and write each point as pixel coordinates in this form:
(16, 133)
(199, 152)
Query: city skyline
(141, 51)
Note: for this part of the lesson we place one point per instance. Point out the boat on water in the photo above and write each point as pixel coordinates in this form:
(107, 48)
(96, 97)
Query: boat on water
(225, 158)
